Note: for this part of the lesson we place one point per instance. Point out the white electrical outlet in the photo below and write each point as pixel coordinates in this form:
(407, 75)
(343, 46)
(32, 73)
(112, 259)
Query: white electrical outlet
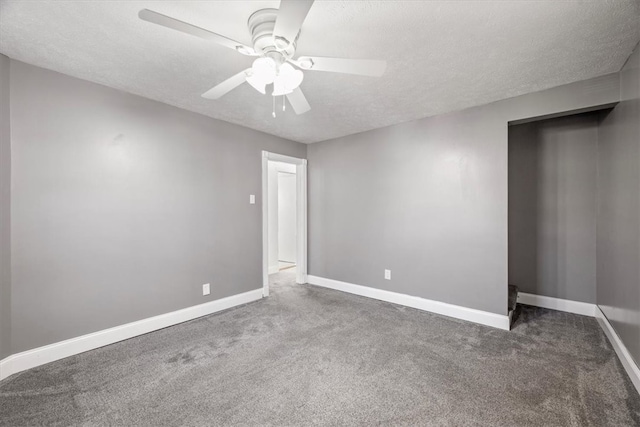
(206, 289)
(387, 274)
(252, 199)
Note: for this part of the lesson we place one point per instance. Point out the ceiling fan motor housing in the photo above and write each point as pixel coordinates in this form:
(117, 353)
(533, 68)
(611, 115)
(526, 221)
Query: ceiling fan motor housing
(261, 24)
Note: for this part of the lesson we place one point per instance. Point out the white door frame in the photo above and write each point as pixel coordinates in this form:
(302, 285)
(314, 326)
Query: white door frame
(301, 217)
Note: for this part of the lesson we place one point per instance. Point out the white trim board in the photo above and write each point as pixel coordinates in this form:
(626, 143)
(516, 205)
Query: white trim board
(499, 321)
(39, 356)
(623, 354)
(575, 307)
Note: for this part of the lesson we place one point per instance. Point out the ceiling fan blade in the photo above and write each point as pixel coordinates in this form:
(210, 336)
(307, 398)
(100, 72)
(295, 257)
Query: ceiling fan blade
(183, 27)
(298, 101)
(362, 67)
(226, 86)
(291, 15)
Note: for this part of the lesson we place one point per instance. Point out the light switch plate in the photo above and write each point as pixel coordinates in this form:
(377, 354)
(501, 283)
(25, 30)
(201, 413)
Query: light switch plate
(206, 289)
(252, 199)
(387, 274)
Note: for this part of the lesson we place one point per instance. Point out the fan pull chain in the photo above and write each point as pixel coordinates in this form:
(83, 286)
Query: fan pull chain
(284, 103)
(274, 107)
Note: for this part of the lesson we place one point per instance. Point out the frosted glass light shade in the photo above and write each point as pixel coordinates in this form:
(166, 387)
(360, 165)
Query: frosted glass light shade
(262, 73)
(287, 80)
(258, 83)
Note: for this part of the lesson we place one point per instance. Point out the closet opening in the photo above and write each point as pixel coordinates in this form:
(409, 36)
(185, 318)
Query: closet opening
(552, 207)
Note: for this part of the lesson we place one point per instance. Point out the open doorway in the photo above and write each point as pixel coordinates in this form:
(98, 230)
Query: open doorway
(281, 203)
(284, 222)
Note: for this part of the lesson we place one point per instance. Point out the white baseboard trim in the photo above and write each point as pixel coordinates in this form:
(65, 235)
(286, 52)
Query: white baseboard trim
(39, 356)
(623, 354)
(472, 315)
(575, 307)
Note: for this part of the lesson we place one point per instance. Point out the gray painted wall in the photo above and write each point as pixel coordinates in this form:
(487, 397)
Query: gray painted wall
(428, 199)
(552, 207)
(5, 210)
(619, 211)
(123, 207)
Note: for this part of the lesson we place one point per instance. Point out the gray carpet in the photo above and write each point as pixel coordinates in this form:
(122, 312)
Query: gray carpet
(308, 355)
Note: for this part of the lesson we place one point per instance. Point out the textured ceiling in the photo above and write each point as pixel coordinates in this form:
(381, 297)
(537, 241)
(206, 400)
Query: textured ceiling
(442, 55)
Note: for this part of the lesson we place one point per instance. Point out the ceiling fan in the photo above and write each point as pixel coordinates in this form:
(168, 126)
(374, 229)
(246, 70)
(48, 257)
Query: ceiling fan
(274, 35)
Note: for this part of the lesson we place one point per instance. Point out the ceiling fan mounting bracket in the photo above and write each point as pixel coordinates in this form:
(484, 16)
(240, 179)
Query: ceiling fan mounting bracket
(261, 24)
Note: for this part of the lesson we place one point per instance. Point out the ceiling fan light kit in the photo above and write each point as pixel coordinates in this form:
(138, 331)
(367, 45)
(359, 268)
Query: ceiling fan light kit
(274, 34)
(266, 71)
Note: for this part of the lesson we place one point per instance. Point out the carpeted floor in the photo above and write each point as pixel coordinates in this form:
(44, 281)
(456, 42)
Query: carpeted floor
(308, 355)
